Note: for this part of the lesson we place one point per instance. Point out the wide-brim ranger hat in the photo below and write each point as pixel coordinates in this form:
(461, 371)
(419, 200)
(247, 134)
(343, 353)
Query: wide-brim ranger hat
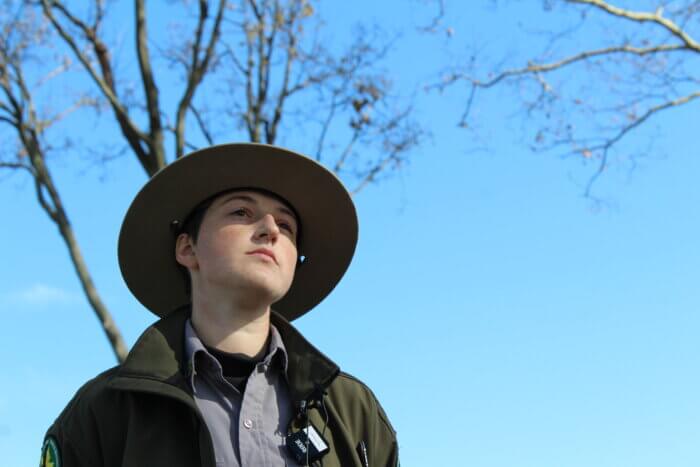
(326, 213)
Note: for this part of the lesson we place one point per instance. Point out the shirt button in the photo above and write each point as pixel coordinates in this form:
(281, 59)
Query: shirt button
(248, 423)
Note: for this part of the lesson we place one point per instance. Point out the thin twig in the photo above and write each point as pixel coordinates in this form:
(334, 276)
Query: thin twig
(610, 142)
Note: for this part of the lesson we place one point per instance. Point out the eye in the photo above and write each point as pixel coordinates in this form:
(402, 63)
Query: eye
(240, 212)
(286, 226)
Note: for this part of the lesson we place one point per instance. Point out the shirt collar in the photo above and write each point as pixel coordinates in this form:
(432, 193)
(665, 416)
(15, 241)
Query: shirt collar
(159, 356)
(194, 347)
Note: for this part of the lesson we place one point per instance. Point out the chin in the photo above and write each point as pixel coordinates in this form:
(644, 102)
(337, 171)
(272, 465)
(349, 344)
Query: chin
(267, 290)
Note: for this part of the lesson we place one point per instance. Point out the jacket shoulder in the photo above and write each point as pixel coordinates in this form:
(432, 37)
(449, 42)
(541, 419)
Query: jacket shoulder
(353, 395)
(76, 424)
(87, 395)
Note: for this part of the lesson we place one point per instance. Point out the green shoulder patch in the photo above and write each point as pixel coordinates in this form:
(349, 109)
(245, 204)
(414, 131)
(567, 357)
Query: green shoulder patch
(50, 455)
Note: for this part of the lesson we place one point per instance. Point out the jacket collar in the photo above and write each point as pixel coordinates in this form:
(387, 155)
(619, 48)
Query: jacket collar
(309, 371)
(159, 354)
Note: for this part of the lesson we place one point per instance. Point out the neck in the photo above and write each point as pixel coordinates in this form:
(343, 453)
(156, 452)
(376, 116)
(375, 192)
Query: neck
(231, 328)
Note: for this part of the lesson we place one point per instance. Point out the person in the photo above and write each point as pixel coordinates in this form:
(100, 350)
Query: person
(227, 245)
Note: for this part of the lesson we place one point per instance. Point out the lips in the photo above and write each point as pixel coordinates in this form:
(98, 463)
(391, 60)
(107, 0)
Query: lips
(264, 251)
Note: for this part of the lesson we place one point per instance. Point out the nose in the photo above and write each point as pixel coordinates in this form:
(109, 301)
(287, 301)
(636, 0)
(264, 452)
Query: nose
(268, 228)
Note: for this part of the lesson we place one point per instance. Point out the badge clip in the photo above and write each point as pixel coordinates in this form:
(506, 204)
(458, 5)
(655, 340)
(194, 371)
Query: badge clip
(307, 445)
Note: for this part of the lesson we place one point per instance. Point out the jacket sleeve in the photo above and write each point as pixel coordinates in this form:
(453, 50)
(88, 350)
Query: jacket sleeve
(59, 450)
(366, 424)
(385, 449)
(73, 440)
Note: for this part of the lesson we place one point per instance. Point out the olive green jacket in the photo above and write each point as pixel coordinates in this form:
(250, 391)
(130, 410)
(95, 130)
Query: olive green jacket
(142, 412)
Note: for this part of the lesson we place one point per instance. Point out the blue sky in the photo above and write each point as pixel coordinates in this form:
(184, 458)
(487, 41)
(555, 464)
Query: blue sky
(501, 319)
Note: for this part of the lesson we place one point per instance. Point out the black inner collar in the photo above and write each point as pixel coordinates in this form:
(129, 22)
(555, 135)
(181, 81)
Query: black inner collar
(237, 367)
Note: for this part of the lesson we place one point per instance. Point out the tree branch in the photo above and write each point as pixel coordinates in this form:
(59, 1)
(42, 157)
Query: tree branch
(656, 18)
(251, 113)
(16, 166)
(265, 48)
(234, 59)
(155, 142)
(437, 18)
(378, 168)
(537, 69)
(202, 126)
(348, 150)
(197, 70)
(324, 128)
(130, 131)
(610, 142)
(283, 93)
(29, 131)
(533, 68)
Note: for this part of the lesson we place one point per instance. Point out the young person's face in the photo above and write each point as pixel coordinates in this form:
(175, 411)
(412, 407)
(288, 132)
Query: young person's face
(246, 247)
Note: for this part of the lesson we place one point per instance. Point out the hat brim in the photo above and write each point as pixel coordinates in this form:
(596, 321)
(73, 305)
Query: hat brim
(327, 216)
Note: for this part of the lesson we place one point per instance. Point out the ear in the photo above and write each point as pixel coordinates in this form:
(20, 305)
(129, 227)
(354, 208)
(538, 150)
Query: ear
(184, 251)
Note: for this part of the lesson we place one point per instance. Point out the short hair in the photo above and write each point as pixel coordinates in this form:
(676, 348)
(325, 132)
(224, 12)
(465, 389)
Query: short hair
(193, 220)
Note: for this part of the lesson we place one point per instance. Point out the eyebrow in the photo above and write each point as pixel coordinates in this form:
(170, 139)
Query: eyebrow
(252, 200)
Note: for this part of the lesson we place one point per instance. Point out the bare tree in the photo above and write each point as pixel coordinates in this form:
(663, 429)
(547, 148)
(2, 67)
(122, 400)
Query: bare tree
(281, 76)
(608, 72)
(247, 69)
(18, 111)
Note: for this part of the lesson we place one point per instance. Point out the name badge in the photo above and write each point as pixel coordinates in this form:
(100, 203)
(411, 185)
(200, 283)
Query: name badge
(307, 445)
